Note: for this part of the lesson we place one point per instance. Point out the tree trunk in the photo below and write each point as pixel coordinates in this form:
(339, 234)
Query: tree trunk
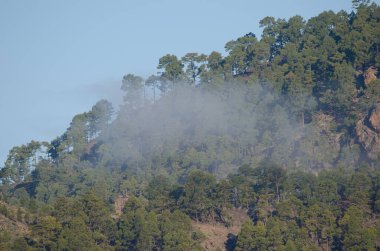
(154, 93)
(278, 193)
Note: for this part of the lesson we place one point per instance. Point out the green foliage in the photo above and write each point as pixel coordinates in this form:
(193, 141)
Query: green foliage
(198, 194)
(19, 163)
(250, 130)
(4, 210)
(355, 237)
(158, 193)
(172, 72)
(133, 87)
(194, 63)
(175, 229)
(251, 237)
(76, 236)
(47, 229)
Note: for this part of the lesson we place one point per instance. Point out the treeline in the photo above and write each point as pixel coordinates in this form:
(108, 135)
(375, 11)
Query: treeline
(325, 63)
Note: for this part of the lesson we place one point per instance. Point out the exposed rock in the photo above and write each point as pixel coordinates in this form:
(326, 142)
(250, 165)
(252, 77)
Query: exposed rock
(119, 204)
(368, 132)
(370, 75)
(374, 118)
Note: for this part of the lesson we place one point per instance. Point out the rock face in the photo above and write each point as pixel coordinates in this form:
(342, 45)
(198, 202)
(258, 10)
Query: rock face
(119, 204)
(370, 75)
(368, 132)
(374, 118)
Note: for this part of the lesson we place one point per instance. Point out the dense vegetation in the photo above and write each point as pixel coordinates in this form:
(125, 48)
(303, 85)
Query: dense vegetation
(283, 126)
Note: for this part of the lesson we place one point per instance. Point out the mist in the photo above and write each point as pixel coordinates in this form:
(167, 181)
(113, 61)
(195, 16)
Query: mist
(216, 130)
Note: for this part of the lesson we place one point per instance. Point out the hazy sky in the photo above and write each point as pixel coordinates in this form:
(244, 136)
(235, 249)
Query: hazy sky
(57, 58)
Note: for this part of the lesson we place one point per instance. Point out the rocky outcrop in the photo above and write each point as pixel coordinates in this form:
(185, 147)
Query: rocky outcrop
(119, 204)
(368, 132)
(370, 75)
(374, 118)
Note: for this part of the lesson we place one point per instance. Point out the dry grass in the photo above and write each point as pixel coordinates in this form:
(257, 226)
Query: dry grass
(10, 223)
(216, 233)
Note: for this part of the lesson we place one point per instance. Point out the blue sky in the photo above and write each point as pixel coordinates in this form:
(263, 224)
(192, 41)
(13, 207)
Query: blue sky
(57, 58)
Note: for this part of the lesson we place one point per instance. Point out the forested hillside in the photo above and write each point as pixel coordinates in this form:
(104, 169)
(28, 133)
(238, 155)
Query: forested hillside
(281, 131)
